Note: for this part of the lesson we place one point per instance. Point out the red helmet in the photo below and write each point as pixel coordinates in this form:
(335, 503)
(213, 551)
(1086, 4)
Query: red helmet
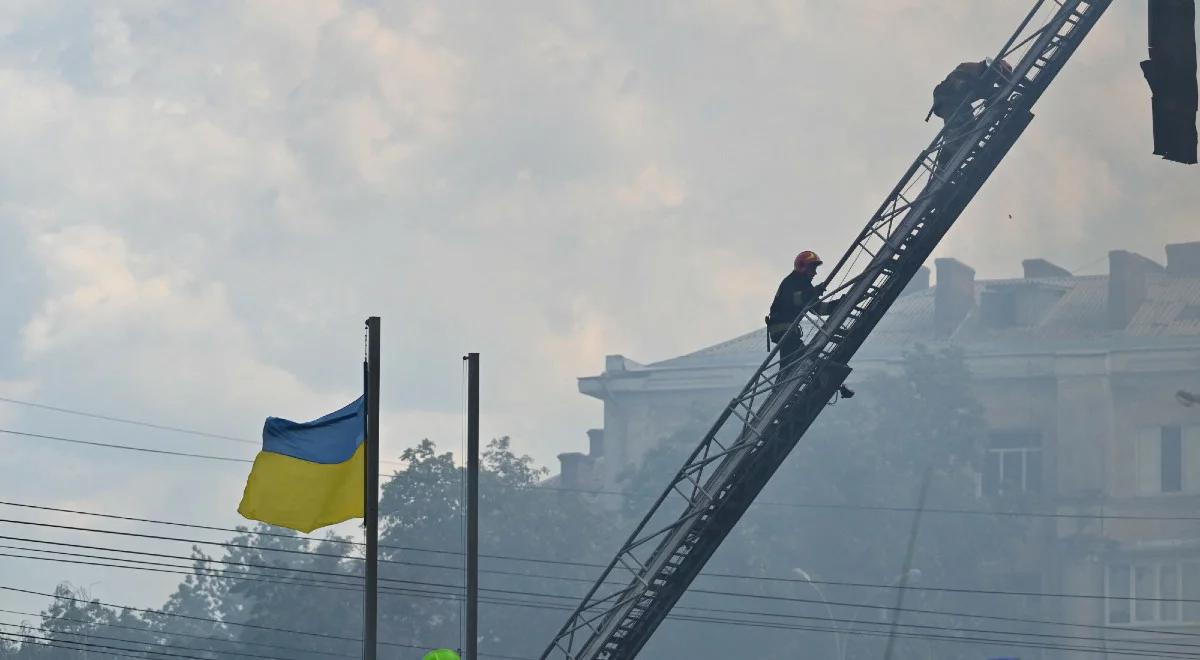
(805, 259)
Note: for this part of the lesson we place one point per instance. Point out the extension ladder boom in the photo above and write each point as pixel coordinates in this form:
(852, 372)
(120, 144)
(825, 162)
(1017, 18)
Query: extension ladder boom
(748, 442)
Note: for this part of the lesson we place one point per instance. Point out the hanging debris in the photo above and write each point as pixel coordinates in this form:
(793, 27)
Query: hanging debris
(1171, 73)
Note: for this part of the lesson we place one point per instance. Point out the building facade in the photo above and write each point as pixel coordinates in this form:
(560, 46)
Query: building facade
(1078, 377)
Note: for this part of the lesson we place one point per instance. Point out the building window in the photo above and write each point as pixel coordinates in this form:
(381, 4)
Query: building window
(1013, 463)
(1168, 460)
(1153, 592)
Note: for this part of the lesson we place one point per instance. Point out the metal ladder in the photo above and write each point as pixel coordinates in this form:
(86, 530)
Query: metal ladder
(760, 426)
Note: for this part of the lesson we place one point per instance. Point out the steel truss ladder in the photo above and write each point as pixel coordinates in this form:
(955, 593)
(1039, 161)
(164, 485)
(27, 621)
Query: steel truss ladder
(748, 442)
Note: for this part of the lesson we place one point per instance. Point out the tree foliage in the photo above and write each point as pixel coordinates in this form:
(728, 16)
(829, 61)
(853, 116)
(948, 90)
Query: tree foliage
(829, 514)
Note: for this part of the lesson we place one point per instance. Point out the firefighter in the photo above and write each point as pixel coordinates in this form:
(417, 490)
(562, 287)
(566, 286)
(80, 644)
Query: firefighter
(953, 97)
(967, 83)
(795, 292)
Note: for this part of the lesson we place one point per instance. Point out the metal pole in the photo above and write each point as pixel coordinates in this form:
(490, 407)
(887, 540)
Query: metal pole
(371, 496)
(908, 557)
(472, 641)
(837, 630)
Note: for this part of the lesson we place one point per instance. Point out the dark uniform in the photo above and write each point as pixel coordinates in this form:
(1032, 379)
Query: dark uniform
(952, 98)
(965, 84)
(795, 292)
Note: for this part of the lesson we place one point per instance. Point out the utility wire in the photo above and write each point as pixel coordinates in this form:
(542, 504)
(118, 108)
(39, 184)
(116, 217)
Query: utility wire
(38, 641)
(77, 646)
(222, 544)
(108, 445)
(252, 626)
(637, 496)
(340, 586)
(335, 541)
(74, 646)
(845, 583)
(166, 654)
(456, 586)
(740, 622)
(142, 423)
(589, 581)
(953, 639)
(87, 636)
(723, 593)
(537, 605)
(181, 616)
(758, 624)
(168, 633)
(124, 420)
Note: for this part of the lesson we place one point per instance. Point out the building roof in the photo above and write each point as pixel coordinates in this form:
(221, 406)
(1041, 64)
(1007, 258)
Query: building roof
(1067, 313)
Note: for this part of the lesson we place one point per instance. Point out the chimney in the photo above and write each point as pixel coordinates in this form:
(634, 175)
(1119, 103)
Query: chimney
(1183, 259)
(1127, 285)
(619, 364)
(919, 282)
(954, 295)
(575, 468)
(595, 443)
(1035, 268)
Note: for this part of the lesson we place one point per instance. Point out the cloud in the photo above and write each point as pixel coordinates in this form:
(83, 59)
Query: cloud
(152, 332)
(203, 201)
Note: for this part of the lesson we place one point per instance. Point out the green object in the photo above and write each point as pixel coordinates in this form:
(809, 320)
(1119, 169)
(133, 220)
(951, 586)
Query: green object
(442, 654)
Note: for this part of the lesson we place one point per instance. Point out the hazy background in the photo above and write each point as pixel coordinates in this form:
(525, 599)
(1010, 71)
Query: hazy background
(201, 202)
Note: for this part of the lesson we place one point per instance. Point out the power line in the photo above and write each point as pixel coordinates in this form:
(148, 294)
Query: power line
(159, 555)
(159, 567)
(76, 646)
(772, 614)
(181, 616)
(149, 632)
(222, 544)
(147, 450)
(941, 638)
(751, 613)
(184, 570)
(260, 533)
(455, 586)
(251, 626)
(69, 645)
(723, 593)
(142, 423)
(636, 496)
(300, 552)
(125, 420)
(845, 583)
(167, 654)
(235, 530)
(166, 633)
(552, 577)
(960, 640)
(794, 505)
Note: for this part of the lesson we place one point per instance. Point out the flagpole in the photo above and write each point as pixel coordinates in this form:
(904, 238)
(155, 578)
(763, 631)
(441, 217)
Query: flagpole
(472, 641)
(371, 496)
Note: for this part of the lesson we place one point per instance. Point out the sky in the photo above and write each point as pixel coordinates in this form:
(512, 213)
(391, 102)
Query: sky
(202, 202)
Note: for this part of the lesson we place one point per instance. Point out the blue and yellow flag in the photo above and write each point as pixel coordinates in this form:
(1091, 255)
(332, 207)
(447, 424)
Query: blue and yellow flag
(310, 474)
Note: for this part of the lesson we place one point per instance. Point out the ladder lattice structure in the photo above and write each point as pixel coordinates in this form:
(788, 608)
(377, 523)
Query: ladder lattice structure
(761, 425)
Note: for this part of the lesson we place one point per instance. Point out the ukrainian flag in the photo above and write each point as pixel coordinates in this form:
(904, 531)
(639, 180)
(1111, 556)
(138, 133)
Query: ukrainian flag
(309, 474)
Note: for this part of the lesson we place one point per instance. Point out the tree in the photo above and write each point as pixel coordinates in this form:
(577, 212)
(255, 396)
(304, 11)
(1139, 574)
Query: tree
(834, 517)
(839, 491)
(423, 521)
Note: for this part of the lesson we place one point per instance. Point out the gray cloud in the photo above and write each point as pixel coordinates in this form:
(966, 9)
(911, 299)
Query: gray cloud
(202, 201)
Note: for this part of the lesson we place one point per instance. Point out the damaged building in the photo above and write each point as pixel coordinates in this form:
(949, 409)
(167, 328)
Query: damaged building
(1078, 375)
